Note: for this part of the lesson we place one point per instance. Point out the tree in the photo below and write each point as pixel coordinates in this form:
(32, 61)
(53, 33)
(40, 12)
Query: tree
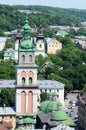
(7, 96)
(44, 96)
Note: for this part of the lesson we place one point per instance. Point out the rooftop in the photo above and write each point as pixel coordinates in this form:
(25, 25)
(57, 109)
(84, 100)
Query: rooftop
(43, 84)
(7, 111)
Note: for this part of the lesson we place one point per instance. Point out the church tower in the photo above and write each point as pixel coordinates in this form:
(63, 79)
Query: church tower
(40, 42)
(26, 88)
(17, 42)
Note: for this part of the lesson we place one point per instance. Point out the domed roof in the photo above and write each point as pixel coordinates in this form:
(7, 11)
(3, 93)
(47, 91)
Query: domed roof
(27, 120)
(59, 116)
(69, 122)
(53, 105)
(20, 122)
(26, 44)
(34, 121)
(44, 105)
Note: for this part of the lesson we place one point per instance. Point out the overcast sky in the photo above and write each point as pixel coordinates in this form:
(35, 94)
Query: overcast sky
(79, 4)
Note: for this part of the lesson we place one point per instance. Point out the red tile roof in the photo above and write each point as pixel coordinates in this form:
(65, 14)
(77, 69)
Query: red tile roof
(2, 127)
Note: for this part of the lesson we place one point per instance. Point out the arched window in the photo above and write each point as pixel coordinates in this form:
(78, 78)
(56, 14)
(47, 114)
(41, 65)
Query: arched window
(23, 102)
(23, 58)
(30, 102)
(30, 58)
(23, 81)
(30, 80)
(40, 46)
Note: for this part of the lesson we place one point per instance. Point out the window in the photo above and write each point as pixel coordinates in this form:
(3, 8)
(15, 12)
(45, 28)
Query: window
(23, 57)
(40, 46)
(23, 81)
(30, 80)
(30, 58)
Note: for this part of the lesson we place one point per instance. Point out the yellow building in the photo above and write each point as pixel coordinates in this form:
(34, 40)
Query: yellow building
(8, 117)
(53, 46)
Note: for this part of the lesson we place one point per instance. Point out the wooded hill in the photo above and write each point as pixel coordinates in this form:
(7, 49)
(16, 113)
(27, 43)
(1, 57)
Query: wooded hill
(9, 16)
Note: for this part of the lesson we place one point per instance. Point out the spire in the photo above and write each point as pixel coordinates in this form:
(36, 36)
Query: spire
(18, 34)
(40, 33)
(26, 44)
(26, 29)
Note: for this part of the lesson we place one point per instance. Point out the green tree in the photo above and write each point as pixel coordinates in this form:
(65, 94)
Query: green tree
(7, 96)
(44, 96)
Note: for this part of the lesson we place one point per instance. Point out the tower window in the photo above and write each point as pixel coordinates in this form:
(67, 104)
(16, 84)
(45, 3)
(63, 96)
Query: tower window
(23, 57)
(23, 81)
(30, 58)
(40, 46)
(30, 80)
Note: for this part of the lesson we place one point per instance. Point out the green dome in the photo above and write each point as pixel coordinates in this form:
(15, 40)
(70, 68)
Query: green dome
(26, 44)
(69, 122)
(53, 105)
(34, 121)
(27, 120)
(59, 116)
(44, 105)
(20, 122)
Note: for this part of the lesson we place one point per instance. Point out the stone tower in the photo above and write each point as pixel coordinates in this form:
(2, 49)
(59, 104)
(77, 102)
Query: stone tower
(17, 41)
(40, 42)
(26, 88)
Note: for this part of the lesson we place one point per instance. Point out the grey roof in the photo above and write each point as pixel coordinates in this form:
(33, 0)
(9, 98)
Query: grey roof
(45, 118)
(7, 83)
(43, 84)
(3, 39)
(7, 111)
(50, 84)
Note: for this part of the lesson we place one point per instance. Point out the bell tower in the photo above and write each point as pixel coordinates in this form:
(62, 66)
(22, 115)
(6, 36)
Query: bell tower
(26, 75)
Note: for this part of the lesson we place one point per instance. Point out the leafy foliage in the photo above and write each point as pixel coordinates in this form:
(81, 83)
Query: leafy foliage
(7, 97)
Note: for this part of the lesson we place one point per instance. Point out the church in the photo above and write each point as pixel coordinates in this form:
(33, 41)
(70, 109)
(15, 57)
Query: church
(28, 88)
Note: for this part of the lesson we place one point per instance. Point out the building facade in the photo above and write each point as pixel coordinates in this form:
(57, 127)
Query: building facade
(53, 46)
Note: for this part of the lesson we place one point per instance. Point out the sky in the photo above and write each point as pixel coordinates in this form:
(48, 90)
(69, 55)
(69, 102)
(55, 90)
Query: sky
(78, 4)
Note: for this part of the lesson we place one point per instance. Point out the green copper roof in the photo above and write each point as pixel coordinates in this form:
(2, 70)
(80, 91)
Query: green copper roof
(26, 44)
(53, 105)
(59, 116)
(27, 120)
(69, 122)
(44, 105)
(20, 122)
(34, 121)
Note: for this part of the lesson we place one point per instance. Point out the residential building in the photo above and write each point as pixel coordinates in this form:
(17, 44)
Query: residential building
(9, 54)
(53, 46)
(82, 112)
(2, 43)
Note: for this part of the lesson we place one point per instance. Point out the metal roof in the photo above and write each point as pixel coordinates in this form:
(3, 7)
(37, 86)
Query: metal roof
(7, 111)
(43, 84)
(50, 84)
(7, 83)
(2, 39)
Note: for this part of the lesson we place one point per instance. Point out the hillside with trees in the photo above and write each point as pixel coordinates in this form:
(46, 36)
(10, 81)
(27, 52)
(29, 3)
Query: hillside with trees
(11, 15)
